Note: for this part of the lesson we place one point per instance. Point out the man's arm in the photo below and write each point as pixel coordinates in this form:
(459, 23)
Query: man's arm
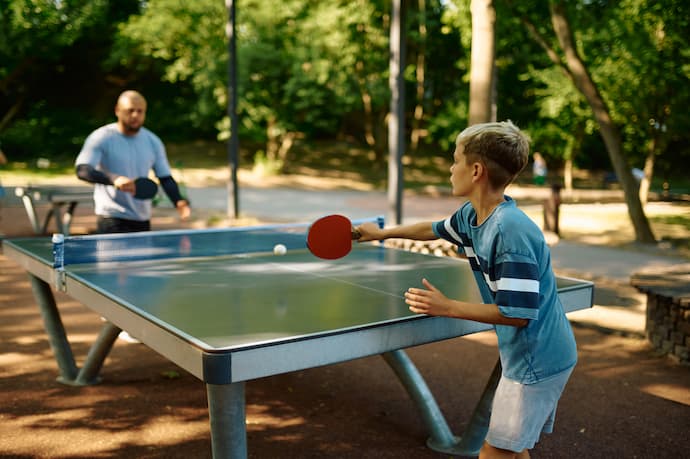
(173, 191)
(90, 174)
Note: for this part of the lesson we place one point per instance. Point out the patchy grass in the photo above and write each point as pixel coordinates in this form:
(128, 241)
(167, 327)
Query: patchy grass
(336, 160)
(609, 224)
(674, 229)
(35, 171)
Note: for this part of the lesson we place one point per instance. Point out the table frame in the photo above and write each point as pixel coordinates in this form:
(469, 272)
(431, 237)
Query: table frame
(63, 204)
(226, 389)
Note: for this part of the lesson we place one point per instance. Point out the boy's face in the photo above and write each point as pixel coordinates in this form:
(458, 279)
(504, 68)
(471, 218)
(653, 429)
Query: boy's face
(460, 172)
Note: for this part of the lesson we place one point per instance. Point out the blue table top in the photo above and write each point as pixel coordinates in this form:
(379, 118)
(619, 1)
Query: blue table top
(220, 292)
(225, 288)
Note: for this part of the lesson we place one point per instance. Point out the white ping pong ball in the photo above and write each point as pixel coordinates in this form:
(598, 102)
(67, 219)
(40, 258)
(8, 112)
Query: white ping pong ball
(279, 249)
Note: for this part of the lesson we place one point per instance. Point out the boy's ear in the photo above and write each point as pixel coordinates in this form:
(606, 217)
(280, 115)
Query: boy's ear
(477, 171)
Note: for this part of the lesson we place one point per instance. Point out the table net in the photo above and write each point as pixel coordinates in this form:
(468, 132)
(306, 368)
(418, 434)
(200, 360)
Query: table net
(153, 245)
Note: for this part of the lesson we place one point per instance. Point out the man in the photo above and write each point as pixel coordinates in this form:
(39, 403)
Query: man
(114, 156)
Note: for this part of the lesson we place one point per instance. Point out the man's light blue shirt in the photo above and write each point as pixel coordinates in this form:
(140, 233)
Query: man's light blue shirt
(108, 150)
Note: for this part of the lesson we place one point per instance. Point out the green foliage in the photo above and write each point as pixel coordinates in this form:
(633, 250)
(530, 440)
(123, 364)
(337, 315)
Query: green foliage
(184, 43)
(38, 28)
(447, 124)
(446, 99)
(47, 132)
(265, 166)
(634, 52)
(319, 69)
(335, 49)
(50, 54)
(639, 63)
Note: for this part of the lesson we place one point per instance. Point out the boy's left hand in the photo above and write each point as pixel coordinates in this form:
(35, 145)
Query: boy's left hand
(431, 301)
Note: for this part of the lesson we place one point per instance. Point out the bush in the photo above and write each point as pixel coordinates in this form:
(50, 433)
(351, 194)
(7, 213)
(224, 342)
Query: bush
(53, 133)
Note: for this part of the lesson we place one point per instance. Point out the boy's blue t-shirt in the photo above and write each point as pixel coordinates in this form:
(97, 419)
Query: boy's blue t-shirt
(512, 266)
(108, 150)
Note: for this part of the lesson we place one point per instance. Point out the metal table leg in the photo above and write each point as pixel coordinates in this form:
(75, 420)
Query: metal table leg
(97, 354)
(46, 221)
(30, 208)
(441, 438)
(55, 329)
(52, 322)
(64, 221)
(226, 407)
(475, 433)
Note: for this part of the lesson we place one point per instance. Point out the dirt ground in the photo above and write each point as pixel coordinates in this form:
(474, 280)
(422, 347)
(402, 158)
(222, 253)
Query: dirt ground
(623, 401)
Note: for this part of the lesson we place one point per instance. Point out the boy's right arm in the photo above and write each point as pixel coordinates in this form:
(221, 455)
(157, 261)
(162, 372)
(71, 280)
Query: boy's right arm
(422, 231)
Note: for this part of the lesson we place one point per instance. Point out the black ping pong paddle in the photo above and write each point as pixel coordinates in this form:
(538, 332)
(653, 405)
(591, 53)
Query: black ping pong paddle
(331, 237)
(145, 188)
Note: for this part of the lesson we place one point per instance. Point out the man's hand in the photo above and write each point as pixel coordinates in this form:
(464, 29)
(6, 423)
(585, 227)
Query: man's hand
(125, 184)
(183, 209)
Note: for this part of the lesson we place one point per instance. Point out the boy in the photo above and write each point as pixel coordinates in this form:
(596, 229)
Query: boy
(511, 264)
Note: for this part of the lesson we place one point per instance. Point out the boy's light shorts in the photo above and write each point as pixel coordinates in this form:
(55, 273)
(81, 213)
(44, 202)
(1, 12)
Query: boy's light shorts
(521, 412)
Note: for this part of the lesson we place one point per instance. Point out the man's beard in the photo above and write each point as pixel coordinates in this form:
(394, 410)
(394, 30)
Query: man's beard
(129, 129)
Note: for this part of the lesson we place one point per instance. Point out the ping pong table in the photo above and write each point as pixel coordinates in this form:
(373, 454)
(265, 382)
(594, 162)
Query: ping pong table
(63, 203)
(219, 304)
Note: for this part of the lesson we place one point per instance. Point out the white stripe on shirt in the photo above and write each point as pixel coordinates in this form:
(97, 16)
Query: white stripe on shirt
(518, 285)
(451, 231)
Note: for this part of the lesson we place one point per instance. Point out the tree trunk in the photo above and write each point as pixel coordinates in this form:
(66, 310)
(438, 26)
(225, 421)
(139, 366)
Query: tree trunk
(609, 132)
(568, 175)
(366, 105)
(648, 171)
(271, 140)
(286, 144)
(421, 57)
(571, 147)
(9, 115)
(482, 60)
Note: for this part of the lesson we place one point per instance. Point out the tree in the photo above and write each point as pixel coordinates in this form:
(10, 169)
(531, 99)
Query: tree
(420, 70)
(38, 40)
(577, 71)
(303, 65)
(645, 69)
(35, 31)
(446, 66)
(483, 61)
(182, 43)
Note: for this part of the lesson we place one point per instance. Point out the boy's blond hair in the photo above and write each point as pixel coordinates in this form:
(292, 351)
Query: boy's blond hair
(500, 146)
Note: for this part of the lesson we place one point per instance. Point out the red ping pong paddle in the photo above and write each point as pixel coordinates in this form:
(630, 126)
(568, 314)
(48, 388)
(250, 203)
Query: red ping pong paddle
(331, 237)
(145, 188)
